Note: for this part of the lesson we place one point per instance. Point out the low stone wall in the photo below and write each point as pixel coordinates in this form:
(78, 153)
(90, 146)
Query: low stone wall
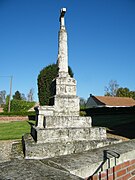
(13, 118)
(103, 163)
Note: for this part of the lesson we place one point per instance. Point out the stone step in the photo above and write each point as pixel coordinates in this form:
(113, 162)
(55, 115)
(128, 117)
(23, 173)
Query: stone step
(90, 162)
(66, 121)
(68, 134)
(35, 150)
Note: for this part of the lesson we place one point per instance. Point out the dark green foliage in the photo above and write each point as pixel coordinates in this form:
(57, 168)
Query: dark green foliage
(45, 78)
(125, 92)
(19, 106)
(17, 96)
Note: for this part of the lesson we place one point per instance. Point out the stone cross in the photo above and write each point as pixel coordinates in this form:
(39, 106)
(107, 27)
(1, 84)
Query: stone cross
(62, 46)
(62, 21)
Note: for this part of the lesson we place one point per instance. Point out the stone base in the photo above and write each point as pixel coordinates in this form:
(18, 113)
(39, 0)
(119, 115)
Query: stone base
(35, 150)
(61, 135)
(52, 135)
(63, 121)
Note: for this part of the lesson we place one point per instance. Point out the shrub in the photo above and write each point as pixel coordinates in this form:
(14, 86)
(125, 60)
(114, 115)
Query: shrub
(45, 78)
(19, 106)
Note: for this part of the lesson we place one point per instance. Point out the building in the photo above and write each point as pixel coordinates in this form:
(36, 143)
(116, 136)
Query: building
(109, 101)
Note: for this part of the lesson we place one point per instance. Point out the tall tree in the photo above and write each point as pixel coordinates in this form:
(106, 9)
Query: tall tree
(111, 89)
(44, 80)
(17, 96)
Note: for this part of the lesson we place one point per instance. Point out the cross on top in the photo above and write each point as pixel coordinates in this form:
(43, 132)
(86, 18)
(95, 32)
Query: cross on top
(62, 13)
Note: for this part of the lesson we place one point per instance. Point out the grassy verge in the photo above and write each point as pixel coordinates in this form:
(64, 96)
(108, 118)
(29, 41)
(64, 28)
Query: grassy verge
(14, 130)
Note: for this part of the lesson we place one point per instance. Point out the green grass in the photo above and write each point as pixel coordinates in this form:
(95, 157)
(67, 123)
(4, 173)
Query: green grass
(14, 130)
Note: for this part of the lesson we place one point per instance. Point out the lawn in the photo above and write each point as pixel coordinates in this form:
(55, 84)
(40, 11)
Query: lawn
(14, 130)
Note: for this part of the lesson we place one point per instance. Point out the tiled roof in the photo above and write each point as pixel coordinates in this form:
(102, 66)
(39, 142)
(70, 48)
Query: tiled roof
(115, 101)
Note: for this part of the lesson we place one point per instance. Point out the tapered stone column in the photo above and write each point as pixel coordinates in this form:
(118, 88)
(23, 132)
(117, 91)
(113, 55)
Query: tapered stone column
(62, 46)
(64, 98)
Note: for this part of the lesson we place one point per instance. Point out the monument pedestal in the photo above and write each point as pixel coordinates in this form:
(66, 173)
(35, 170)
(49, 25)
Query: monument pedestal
(56, 141)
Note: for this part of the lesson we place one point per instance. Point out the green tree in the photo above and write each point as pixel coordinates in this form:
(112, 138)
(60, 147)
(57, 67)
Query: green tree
(17, 96)
(44, 81)
(132, 94)
(123, 92)
(19, 106)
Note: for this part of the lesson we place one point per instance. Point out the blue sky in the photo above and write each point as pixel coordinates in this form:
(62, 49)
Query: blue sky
(101, 42)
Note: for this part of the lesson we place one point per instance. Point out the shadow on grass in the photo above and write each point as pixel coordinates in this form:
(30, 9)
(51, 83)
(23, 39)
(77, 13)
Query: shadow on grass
(122, 125)
(125, 130)
(31, 123)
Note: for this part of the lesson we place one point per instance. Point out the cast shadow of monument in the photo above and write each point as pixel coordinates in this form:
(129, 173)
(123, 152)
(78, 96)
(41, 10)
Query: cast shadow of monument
(124, 130)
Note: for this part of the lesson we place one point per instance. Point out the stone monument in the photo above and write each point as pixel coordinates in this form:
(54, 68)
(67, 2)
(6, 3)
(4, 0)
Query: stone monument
(59, 129)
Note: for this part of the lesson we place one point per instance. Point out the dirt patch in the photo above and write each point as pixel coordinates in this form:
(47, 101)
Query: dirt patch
(109, 135)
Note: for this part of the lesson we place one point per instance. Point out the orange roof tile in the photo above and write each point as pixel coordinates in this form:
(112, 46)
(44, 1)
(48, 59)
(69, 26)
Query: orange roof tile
(116, 101)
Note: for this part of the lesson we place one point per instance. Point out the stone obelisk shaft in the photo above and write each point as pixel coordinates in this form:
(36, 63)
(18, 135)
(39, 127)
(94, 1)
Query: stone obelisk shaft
(62, 47)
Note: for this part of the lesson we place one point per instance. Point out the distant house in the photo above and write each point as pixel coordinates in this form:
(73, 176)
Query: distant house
(108, 101)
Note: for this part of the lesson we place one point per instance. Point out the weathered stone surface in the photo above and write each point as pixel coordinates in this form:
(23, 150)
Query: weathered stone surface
(86, 163)
(10, 149)
(63, 121)
(45, 150)
(5, 150)
(62, 52)
(32, 169)
(65, 86)
(66, 105)
(69, 134)
(67, 121)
